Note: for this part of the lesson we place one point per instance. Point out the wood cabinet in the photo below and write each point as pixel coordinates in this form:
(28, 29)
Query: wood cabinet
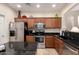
(31, 23)
(48, 23)
(56, 23)
(54, 42)
(59, 45)
(39, 20)
(30, 39)
(49, 42)
(53, 23)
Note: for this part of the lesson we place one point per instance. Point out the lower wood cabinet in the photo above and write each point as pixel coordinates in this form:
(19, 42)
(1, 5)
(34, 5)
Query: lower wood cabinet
(49, 42)
(54, 42)
(30, 39)
(59, 45)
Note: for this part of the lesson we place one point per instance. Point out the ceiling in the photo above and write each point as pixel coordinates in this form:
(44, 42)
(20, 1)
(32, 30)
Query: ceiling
(44, 7)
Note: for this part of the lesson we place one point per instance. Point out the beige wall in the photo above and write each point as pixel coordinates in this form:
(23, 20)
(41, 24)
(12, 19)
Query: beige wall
(42, 14)
(67, 18)
(9, 16)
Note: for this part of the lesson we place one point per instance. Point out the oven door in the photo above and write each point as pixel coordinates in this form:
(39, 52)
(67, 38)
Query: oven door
(39, 39)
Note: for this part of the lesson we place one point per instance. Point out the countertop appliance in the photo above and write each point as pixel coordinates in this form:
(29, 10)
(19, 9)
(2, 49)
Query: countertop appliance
(39, 34)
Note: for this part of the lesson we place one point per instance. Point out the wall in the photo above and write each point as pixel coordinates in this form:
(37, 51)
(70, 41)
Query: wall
(42, 14)
(68, 21)
(67, 17)
(9, 16)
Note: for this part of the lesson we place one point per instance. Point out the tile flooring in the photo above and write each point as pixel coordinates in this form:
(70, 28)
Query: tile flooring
(46, 51)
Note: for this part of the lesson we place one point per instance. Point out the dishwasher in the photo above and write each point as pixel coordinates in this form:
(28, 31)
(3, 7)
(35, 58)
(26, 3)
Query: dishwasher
(70, 50)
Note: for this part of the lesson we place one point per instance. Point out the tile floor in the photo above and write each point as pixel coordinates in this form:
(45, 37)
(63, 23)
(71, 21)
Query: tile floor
(46, 51)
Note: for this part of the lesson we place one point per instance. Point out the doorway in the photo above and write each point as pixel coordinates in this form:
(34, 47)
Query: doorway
(2, 29)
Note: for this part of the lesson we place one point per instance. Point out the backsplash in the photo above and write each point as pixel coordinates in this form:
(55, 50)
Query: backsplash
(52, 30)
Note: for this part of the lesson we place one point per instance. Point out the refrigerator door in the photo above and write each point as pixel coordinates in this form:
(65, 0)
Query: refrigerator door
(19, 31)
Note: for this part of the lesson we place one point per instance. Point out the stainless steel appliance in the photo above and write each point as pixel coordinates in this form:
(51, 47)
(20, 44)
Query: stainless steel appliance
(40, 41)
(39, 34)
(12, 32)
(39, 26)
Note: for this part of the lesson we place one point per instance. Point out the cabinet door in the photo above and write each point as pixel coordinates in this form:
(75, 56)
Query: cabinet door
(30, 39)
(61, 48)
(59, 45)
(37, 20)
(30, 23)
(56, 23)
(42, 20)
(48, 23)
(49, 42)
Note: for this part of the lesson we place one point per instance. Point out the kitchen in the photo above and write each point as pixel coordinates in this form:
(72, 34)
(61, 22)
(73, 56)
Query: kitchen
(41, 34)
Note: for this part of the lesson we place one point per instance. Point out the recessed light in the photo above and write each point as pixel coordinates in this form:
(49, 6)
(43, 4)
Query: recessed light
(54, 5)
(38, 6)
(19, 6)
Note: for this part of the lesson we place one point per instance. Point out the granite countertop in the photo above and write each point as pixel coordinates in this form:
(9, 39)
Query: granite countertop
(49, 34)
(72, 42)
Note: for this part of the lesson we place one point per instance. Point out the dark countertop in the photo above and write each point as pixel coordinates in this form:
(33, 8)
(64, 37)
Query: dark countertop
(19, 48)
(48, 34)
(73, 42)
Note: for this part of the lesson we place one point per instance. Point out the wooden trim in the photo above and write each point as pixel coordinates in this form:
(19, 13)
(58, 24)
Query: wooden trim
(40, 18)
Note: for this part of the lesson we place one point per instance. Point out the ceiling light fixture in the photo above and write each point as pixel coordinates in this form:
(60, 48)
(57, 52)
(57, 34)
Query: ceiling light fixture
(19, 6)
(54, 5)
(38, 6)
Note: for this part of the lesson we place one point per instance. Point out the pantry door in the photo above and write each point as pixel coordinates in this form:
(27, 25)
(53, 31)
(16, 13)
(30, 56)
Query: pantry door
(2, 29)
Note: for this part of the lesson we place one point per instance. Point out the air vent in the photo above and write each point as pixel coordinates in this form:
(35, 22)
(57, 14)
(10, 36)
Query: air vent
(28, 4)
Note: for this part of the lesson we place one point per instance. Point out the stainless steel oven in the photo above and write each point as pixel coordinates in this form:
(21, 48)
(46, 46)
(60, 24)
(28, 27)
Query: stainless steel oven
(39, 34)
(40, 41)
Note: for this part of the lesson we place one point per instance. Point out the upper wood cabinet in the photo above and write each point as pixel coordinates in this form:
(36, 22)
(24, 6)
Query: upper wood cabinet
(48, 23)
(31, 23)
(40, 20)
(54, 22)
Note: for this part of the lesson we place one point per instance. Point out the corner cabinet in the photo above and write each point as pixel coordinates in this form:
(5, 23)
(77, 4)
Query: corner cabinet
(59, 45)
(54, 42)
